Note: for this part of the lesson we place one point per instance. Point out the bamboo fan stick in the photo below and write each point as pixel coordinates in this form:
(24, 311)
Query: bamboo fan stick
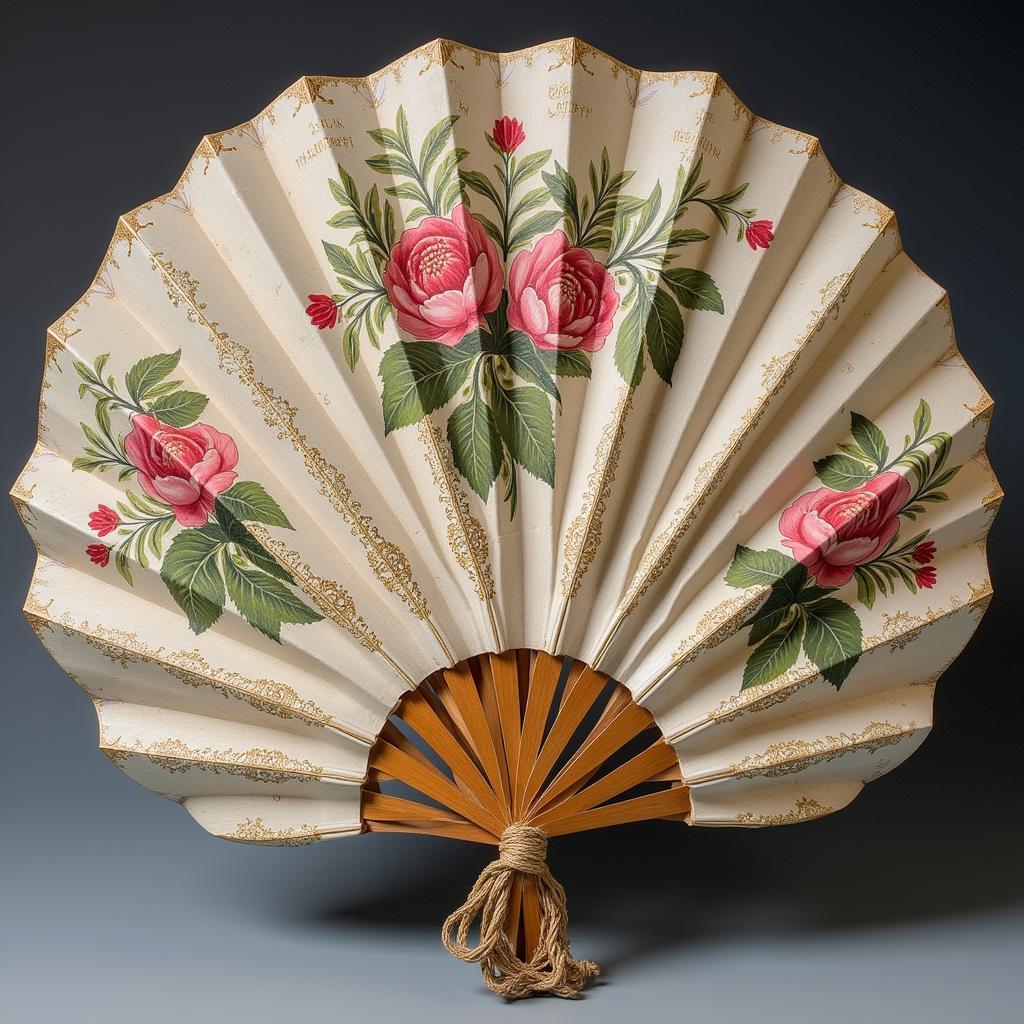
(543, 680)
(463, 687)
(494, 722)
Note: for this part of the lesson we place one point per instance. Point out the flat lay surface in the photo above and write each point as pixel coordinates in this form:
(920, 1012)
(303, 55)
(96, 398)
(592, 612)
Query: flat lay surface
(116, 905)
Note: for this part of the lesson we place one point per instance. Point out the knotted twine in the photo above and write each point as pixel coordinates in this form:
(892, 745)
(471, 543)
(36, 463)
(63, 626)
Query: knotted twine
(551, 969)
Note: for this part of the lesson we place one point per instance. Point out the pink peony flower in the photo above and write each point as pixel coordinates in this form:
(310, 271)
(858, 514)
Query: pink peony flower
(561, 296)
(99, 554)
(926, 577)
(104, 520)
(444, 275)
(832, 532)
(759, 234)
(508, 134)
(186, 467)
(322, 311)
(924, 552)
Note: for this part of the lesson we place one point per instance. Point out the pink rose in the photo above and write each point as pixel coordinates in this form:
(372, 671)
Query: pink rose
(561, 296)
(832, 532)
(186, 467)
(443, 276)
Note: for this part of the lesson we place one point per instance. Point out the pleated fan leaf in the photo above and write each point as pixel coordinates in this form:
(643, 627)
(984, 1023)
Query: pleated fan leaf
(426, 405)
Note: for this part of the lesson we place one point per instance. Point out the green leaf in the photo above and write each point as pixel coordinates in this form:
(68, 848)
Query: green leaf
(191, 573)
(180, 408)
(248, 501)
(538, 224)
(476, 444)
(148, 372)
(524, 421)
(419, 377)
(524, 360)
(833, 640)
(694, 289)
(263, 601)
(775, 655)
(664, 335)
(393, 164)
(922, 420)
(629, 351)
(565, 362)
(870, 439)
(529, 165)
(751, 568)
(435, 140)
(350, 343)
(842, 473)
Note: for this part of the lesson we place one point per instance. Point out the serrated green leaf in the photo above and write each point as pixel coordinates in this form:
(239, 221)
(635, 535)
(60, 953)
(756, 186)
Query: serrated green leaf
(248, 501)
(476, 444)
(524, 360)
(264, 601)
(776, 654)
(664, 334)
(833, 639)
(420, 377)
(192, 574)
(147, 372)
(841, 472)
(752, 568)
(180, 408)
(694, 289)
(870, 439)
(393, 164)
(565, 362)
(523, 416)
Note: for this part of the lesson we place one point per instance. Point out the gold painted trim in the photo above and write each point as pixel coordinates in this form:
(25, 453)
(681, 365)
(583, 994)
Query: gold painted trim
(387, 561)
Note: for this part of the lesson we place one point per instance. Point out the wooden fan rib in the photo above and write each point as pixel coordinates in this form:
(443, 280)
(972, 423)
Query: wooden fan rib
(504, 671)
(634, 772)
(386, 813)
(543, 681)
(669, 803)
(489, 702)
(421, 716)
(580, 694)
(597, 748)
(463, 687)
(428, 780)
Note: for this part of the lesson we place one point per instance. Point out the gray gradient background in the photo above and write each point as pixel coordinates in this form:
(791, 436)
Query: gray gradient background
(115, 906)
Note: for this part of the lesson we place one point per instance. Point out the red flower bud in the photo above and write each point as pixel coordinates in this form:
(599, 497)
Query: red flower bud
(104, 520)
(926, 577)
(924, 553)
(322, 311)
(98, 553)
(759, 234)
(508, 134)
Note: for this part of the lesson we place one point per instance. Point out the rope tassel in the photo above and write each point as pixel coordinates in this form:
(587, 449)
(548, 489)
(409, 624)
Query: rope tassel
(551, 969)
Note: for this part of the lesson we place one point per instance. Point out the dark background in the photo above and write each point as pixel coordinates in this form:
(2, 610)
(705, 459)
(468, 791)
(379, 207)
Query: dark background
(908, 905)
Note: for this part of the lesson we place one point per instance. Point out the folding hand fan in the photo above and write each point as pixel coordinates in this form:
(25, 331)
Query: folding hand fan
(502, 446)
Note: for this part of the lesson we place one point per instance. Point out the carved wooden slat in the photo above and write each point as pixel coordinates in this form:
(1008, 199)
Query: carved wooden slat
(489, 720)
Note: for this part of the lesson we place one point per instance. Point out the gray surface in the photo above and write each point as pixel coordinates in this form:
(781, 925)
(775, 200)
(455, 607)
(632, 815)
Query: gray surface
(115, 907)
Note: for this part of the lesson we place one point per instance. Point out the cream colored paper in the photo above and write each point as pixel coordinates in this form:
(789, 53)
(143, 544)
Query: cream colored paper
(621, 561)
